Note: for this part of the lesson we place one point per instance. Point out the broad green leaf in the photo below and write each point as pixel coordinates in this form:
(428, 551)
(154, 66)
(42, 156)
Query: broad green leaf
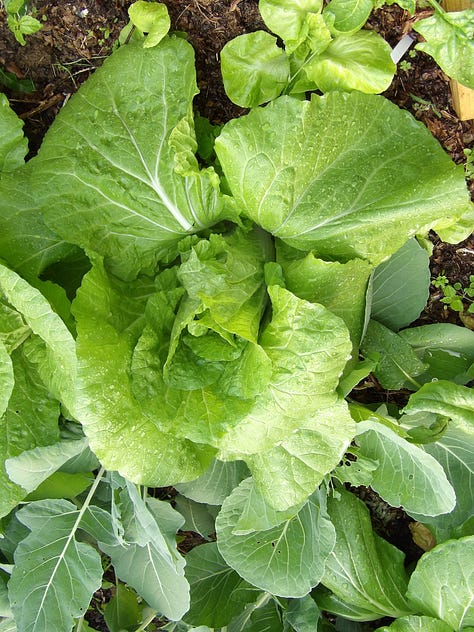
(218, 593)
(216, 483)
(8, 625)
(406, 474)
(335, 173)
(5, 610)
(7, 379)
(254, 69)
(122, 611)
(56, 358)
(106, 170)
(303, 614)
(401, 286)
(285, 560)
(197, 517)
(341, 288)
(348, 16)
(415, 623)
(446, 349)
(455, 452)
(264, 618)
(363, 569)
(54, 576)
(397, 365)
(31, 420)
(32, 467)
(26, 243)
(151, 18)
(442, 583)
(449, 39)
(13, 144)
(290, 19)
(148, 559)
(444, 398)
(360, 61)
(109, 316)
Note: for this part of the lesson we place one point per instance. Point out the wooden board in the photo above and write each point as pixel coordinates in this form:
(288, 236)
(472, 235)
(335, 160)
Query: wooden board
(463, 98)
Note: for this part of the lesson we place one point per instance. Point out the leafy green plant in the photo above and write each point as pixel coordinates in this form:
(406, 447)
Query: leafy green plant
(162, 325)
(456, 297)
(19, 20)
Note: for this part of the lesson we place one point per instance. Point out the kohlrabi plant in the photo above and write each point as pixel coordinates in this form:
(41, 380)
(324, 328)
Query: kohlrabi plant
(159, 328)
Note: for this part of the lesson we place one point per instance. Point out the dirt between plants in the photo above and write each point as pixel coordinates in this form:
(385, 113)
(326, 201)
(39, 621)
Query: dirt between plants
(77, 36)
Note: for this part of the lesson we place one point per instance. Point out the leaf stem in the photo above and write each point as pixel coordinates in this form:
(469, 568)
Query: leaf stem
(147, 621)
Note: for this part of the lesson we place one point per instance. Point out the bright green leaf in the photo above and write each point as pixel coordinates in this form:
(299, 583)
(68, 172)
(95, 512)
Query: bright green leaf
(13, 144)
(348, 16)
(442, 583)
(414, 623)
(336, 173)
(254, 69)
(216, 483)
(151, 18)
(290, 19)
(443, 398)
(449, 39)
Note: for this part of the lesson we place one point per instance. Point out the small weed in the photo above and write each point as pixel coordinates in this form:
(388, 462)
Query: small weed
(405, 65)
(422, 105)
(456, 297)
(469, 165)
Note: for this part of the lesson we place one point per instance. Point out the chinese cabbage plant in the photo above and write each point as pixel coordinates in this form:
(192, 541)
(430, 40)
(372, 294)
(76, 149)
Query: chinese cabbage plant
(325, 47)
(165, 324)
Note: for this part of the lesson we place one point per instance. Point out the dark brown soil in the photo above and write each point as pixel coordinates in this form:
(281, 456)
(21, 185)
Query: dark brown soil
(77, 36)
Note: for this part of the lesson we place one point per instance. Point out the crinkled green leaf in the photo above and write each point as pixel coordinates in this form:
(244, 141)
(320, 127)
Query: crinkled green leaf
(342, 288)
(56, 357)
(13, 144)
(151, 18)
(348, 16)
(290, 19)
(401, 286)
(54, 576)
(449, 39)
(287, 473)
(406, 475)
(397, 364)
(7, 379)
(105, 173)
(254, 69)
(415, 623)
(26, 243)
(360, 61)
(109, 317)
(346, 175)
(31, 420)
(285, 431)
(442, 583)
(363, 569)
(218, 593)
(285, 560)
